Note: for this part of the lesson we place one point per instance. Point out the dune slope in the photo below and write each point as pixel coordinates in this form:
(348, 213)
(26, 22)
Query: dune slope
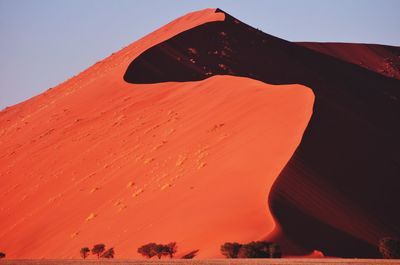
(341, 185)
(382, 59)
(100, 160)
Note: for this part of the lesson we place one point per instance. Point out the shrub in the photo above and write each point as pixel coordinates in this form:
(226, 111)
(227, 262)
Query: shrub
(389, 248)
(275, 251)
(230, 250)
(263, 249)
(98, 249)
(247, 251)
(170, 249)
(255, 249)
(108, 254)
(84, 252)
(161, 250)
(148, 250)
(152, 249)
(2, 255)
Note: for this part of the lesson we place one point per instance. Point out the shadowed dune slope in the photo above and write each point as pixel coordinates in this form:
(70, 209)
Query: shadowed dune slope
(382, 59)
(339, 191)
(99, 160)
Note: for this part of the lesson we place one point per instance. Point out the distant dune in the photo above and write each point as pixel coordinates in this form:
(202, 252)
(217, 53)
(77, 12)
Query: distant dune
(382, 59)
(207, 131)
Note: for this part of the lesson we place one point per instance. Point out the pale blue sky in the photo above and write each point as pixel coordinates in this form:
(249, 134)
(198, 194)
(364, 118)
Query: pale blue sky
(44, 42)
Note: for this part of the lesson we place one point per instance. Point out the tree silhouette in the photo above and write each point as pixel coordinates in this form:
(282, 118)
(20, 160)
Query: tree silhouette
(275, 251)
(2, 255)
(84, 252)
(261, 249)
(152, 249)
(230, 250)
(161, 250)
(148, 250)
(389, 247)
(255, 249)
(98, 249)
(108, 254)
(171, 249)
(247, 252)
(258, 249)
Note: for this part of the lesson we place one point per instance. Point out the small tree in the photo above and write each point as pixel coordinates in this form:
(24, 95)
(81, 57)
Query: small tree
(171, 249)
(247, 252)
(230, 250)
(98, 249)
(152, 249)
(255, 249)
(84, 252)
(108, 254)
(389, 248)
(2, 255)
(275, 251)
(161, 250)
(260, 249)
(148, 250)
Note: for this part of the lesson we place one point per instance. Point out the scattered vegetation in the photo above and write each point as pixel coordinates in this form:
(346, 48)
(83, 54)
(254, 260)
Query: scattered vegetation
(148, 250)
(255, 249)
(108, 254)
(2, 255)
(389, 247)
(248, 251)
(152, 249)
(84, 252)
(171, 249)
(230, 250)
(98, 250)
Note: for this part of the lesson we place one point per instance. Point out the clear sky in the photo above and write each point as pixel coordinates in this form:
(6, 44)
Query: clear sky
(44, 42)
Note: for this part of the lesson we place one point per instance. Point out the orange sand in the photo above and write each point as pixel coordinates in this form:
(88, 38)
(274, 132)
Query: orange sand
(98, 160)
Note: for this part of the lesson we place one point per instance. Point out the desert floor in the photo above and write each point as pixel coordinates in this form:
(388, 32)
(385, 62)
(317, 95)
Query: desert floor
(206, 262)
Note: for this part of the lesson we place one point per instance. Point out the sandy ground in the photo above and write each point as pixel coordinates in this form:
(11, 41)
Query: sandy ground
(209, 262)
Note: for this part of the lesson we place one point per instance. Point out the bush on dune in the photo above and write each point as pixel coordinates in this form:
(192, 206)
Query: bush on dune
(108, 254)
(98, 249)
(230, 250)
(246, 252)
(152, 249)
(148, 250)
(255, 249)
(275, 251)
(84, 252)
(170, 249)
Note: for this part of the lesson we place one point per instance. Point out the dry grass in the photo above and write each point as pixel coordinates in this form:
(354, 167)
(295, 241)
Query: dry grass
(207, 262)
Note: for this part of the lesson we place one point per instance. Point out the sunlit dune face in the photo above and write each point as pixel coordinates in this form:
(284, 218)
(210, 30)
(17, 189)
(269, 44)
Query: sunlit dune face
(351, 138)
(204, 132)
(98, 160)
(187, 162)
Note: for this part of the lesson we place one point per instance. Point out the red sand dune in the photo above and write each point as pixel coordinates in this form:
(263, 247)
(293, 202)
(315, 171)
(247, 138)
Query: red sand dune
(382, 59)
(148, 145)
(100, 160)
(341, 184)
